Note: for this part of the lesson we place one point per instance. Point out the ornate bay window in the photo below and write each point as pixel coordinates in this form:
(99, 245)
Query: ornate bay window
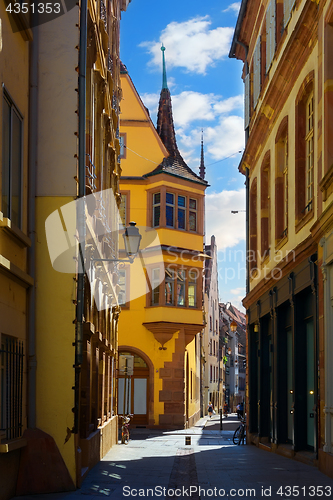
(179, 287)
(176, 210)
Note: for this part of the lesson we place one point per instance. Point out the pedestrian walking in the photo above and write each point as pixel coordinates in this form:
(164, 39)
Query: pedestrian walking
(210, 409)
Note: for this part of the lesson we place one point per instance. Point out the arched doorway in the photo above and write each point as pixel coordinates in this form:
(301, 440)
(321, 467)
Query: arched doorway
(135, 391)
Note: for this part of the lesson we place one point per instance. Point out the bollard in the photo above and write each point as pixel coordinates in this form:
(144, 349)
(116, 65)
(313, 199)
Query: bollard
(221, 426)
(187, 440)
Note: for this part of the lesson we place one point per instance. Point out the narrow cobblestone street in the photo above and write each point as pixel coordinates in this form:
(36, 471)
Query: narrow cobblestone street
(158, 464)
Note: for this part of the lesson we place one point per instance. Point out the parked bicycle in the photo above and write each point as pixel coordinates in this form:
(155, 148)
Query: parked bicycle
(125, 435)
(240, 433)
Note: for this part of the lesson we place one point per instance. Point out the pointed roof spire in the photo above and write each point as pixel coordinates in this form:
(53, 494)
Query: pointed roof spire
(202, 169)
(164, 82)
(174, 163)
(165, 126)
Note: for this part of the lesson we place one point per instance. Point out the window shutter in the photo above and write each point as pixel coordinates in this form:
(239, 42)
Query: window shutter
(247, 101)
(256, 73)
(288, 6)
(270, 34)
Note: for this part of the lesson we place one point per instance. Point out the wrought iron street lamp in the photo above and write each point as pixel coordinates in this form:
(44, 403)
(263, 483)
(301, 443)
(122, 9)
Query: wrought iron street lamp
(132, 240)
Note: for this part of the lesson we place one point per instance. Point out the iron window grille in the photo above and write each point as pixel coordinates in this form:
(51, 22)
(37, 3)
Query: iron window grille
(11, 388)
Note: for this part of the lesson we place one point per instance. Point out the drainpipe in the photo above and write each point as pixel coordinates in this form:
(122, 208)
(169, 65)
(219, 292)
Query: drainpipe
(32, 162)
(81, 227)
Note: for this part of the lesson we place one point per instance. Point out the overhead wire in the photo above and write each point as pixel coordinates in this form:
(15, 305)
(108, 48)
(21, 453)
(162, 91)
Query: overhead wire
(152, 161)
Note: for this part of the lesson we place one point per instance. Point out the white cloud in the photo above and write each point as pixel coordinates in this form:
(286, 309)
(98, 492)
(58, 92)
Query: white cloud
(189, 106)
(151, 102)
(226, 138)
(191, 45)
(228, 228)
(228, 105)
(234, 6)
(238, 291)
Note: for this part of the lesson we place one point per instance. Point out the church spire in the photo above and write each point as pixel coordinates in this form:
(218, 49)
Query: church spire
(202, 169)
(164, 82)
(165, 126)
(172, 164)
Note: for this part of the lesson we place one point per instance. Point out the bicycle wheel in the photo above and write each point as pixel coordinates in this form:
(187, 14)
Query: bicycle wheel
(238, 435)
(124, 436)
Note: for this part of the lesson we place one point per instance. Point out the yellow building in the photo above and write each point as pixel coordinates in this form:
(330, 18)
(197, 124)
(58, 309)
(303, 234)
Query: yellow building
(15, 278)
(162, 291)
(73, 315)
(287, 52)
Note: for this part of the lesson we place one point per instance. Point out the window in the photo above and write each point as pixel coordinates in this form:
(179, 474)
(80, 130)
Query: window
(11, 387)
(174, 210)
(309, 153)
(281, 182)
(170, 209)
(247, 101)
(253, 226)
(265, 206)
(155, 284)
(304, 151)
(122, 284)
(122, 209)
(156, 209)
(181, 212)
(192, 287)
(270, 33)
(193, 215)
(169, 288)
(122, 144)
(12, 136)
(256, 72)
(179, 287)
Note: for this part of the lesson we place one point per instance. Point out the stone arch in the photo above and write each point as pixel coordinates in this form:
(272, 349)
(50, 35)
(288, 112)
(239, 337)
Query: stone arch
(147, 360)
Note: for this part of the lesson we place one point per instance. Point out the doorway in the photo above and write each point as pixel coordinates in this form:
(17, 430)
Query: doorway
(133, 392)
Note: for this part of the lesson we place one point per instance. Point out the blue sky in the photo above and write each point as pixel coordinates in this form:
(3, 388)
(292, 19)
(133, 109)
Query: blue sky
(207, 93)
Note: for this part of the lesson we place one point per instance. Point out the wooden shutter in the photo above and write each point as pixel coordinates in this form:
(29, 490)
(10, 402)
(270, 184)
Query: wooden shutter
(270, 34)
(247, 101)
(288, 6)
(256, 73)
